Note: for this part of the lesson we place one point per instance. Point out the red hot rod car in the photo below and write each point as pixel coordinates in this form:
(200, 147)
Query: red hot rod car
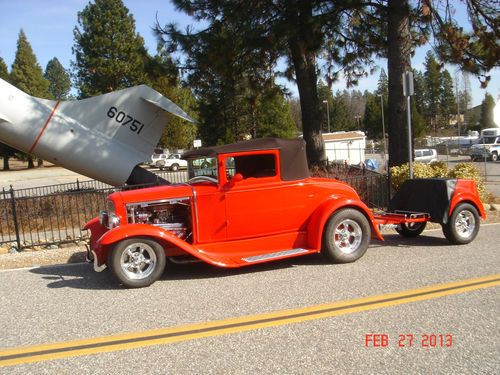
(249, 203)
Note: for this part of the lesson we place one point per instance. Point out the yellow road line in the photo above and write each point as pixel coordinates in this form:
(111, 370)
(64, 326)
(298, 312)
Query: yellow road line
(14, 356)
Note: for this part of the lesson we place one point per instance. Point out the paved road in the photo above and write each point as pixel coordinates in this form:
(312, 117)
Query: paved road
(48, 305)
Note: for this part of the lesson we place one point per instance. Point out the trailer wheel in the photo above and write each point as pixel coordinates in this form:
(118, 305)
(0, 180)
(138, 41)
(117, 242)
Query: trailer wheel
(137, 262)
(463, 224)
(411, 229)
(346, 236)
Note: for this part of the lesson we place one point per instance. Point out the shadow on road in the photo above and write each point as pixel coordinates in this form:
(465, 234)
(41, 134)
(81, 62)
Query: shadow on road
(82, 275)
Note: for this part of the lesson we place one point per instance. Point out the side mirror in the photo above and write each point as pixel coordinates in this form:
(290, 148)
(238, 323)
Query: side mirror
(235, 179)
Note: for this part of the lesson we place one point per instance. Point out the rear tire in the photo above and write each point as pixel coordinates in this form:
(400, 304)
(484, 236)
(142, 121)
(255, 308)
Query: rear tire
(463, 224)
(494, 156)
(411, 229)
(137, 262)
(174, 167)
(346, 236)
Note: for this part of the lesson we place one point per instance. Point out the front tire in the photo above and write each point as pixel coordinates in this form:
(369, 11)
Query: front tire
(463, 224)
(411, 229)
(137, 262)
(346, 236)
(494, 156)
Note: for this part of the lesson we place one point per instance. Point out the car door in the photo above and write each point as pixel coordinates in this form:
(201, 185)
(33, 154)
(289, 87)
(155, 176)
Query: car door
(260, 204)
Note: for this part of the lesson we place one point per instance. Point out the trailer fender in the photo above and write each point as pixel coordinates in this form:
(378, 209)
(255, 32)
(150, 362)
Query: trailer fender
(466, 192)
(467, 198)
(326, 209)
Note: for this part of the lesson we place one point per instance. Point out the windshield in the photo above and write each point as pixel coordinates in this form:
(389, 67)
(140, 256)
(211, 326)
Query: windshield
(488, 140)
(202, 167)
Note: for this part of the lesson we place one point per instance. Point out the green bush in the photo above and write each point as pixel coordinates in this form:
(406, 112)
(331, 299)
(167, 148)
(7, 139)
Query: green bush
(401, 173)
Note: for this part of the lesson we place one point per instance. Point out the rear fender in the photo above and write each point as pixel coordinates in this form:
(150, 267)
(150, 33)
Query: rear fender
(162, 236)
(326, 209)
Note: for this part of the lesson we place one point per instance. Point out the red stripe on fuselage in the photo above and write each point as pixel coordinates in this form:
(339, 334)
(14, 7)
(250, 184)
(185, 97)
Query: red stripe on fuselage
(44, 127)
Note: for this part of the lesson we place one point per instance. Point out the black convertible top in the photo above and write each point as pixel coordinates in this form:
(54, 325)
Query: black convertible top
(292, 154)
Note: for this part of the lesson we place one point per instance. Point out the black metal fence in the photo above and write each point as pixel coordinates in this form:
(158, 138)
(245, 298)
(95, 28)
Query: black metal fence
(55, 214)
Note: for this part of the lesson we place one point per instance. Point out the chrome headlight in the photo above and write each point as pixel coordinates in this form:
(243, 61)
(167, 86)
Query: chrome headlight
(108, 218)
(113, 221)
(103, 218)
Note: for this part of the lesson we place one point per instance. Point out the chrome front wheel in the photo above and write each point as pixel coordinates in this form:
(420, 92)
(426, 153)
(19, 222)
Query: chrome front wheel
(137, 262)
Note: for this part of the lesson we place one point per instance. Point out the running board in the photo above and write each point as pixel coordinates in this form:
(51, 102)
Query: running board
(278, 254)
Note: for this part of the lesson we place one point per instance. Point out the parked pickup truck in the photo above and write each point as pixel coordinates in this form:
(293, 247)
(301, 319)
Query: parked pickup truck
(174, 162)
(487, 146)
(253, 202)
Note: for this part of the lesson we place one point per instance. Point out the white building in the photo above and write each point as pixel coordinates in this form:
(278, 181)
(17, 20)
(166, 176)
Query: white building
(345, 146)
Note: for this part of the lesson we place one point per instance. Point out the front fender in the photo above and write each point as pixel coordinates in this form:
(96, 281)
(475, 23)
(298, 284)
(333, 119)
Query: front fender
(326, 209)
(96, 231)
(161, 235)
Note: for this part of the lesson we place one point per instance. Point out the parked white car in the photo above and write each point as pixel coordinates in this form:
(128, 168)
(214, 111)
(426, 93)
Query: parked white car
(426, 155)
(173, 162)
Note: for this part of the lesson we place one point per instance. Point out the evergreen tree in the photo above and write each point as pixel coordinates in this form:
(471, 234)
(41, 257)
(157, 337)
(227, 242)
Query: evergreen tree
(109, 54)
(325, 94)
(372, 121)
(4, 73)
(383, 84)
(419, 85)
(59, 79)
(341, 118)
(487, 106)
(298, 30)
(273, 116)
(26, 74)
(178, 133)
(447, 101)
(6, 152)
(432, 78)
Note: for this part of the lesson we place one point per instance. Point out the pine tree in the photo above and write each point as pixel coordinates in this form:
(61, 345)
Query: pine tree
(59, 79)
(273, 116)
(4, 73)
(383, 84)
(432, 78)
(487, 106)
(26, 74)
(447, 101)
(5, 151)
(372, 120)
(109, 54)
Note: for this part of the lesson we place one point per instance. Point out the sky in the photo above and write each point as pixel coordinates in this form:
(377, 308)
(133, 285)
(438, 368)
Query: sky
(49, 25)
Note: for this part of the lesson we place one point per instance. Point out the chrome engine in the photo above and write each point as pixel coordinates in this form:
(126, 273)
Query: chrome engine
(172, 215)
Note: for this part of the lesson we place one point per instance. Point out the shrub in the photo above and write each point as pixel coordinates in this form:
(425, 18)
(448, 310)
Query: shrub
(400, 174)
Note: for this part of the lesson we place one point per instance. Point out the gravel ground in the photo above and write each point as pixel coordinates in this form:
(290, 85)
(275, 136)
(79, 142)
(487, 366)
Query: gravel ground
(72, 253)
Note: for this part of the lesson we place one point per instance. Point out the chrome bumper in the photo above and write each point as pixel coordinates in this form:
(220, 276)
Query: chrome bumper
(91, 257)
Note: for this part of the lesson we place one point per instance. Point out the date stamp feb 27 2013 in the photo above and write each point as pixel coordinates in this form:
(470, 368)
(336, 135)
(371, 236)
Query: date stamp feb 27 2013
(409, 340)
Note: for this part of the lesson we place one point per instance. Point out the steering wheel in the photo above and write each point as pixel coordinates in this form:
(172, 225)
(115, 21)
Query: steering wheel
(203, 179)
